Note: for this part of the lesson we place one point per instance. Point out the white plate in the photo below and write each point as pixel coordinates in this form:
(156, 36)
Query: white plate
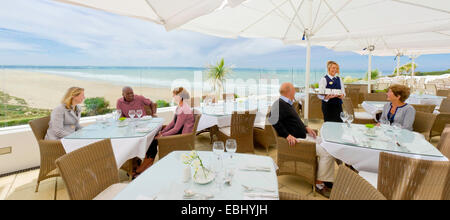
(201, 179)
(122, 124)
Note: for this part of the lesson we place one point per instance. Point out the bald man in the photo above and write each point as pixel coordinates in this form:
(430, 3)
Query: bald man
(130, 101)
(288, 124)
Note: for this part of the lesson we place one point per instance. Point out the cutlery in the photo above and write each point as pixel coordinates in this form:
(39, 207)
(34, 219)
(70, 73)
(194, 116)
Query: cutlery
(189, 194)
(249, 188)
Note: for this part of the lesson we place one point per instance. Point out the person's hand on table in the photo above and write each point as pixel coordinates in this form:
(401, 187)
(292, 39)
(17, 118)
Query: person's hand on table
(311, 132)
(291, 140)
(341, 96)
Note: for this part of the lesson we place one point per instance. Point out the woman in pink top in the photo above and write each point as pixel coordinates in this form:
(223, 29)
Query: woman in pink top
(182, 123)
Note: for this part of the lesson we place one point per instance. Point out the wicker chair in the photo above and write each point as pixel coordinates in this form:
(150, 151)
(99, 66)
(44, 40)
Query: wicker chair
(445, 106)
(315, 107)
(300, 160)
(298, 108)
(379, 96)
(353, 94)
(442, 119)
(403, 178)
(179, 142)
(195, 102)
(357, 118)
(444, 142)
(50, 150)
(424, 108)
(430, 88)
(228, 96)
(443, 92)
(213, 98)
(241, 130)
(264, 137)
(423, 122)
(347, 186)
(151, 110)
(91, 172)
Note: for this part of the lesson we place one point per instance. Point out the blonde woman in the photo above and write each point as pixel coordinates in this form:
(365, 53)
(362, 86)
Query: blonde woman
(65, 119)
(332, 104)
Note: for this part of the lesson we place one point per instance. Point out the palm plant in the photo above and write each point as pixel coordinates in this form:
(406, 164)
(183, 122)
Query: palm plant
(217, 73)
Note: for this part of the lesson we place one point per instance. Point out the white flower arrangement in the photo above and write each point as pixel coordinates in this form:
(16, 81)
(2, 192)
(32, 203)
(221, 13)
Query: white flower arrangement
(193, 159)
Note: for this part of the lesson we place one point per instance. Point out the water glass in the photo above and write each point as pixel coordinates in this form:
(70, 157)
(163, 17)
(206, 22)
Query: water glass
(231, 147)
(132, 113)
(344, 116)
(139, 113)
(350, 120)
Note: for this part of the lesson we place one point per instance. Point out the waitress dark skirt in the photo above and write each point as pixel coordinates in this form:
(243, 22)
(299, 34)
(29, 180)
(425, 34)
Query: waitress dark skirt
(332, 109)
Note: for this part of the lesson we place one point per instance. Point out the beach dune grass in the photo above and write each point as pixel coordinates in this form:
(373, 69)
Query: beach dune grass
(14, 111)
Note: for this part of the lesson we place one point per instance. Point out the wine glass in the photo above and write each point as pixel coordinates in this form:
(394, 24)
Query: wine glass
(132, 113)
(119, 113)
(344, 116)
(350, 120)
(218, 150)
(231, 147)
(139, 113)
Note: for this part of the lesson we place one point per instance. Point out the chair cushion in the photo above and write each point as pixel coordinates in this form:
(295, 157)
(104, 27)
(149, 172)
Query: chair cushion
(363, 115)
(226, 131)
(110, 192)
(261, 124)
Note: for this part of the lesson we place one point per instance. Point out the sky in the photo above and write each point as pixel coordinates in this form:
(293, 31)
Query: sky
(49, 33)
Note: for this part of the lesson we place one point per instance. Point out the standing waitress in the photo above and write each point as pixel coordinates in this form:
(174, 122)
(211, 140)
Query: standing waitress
(332, 104)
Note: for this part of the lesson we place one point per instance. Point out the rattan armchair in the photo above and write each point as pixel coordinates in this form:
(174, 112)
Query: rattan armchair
(445, 106)
(404, 178)
(91, 172)
(347, 186)
(195, 102)
(423, 123)
(241, 130)
(444, 142)
(424, 108)
(50, 150)
(228, 96)
(151, 110)
(379, 96)
(299, 160)
(443, 92)
(353, 94)
(179, 142)
(357, 119)
(264, 137)
(315, 107)
(442, 119)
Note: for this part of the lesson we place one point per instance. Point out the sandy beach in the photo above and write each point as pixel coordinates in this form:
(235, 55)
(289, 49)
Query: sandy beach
(45, 91)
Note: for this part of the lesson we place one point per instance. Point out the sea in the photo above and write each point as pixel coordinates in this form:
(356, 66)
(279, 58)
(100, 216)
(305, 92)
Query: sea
(169, 77)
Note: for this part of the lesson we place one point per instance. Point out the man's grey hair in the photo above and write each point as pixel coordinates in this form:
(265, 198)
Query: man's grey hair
(126, 88)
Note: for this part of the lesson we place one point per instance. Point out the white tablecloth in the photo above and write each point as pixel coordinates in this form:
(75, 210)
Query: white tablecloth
(123, 148)
(364, 159)
(163, 180)
(425, 100)
(212, 116)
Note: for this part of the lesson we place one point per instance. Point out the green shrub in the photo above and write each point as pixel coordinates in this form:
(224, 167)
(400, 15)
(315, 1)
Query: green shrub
(375, 74)
(96, 106)
(161, 103)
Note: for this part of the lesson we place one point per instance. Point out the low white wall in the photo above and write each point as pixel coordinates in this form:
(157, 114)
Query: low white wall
(25, 150)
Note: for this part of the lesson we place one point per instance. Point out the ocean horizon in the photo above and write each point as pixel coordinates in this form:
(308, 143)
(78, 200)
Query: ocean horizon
(164, 77)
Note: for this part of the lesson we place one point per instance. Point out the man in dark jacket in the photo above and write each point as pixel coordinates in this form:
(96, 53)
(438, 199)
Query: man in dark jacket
(288, 124)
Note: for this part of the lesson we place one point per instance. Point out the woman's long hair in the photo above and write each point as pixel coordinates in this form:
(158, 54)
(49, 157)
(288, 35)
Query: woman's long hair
(70, 94)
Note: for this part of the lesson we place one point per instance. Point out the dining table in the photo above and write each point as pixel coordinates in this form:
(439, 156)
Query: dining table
(220, 113)
(360, 146)
(234, 177)
(129, 138)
